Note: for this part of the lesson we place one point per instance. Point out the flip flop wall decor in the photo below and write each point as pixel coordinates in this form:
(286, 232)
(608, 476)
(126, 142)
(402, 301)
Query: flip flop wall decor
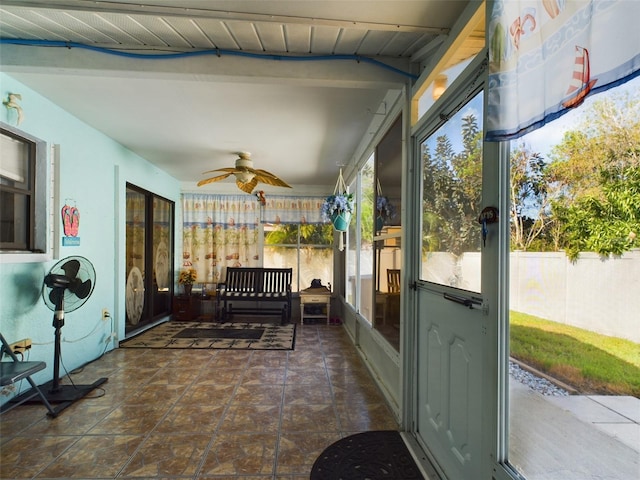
(70, 221)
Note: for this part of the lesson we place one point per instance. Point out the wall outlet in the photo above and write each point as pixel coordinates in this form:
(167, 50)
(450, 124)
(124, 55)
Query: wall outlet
(105, 314)
(21, 345)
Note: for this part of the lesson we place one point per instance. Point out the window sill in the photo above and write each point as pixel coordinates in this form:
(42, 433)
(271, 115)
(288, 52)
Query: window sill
(10, 257)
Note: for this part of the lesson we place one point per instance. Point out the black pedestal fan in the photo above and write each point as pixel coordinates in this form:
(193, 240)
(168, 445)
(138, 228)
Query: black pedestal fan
(66, 287)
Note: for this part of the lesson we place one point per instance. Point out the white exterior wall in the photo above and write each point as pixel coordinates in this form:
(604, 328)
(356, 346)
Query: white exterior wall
(596, 294)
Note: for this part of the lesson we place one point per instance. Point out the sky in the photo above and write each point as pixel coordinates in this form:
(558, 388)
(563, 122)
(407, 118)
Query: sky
(543, 139)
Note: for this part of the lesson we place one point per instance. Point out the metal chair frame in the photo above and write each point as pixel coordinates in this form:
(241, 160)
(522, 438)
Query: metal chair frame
(16, 370)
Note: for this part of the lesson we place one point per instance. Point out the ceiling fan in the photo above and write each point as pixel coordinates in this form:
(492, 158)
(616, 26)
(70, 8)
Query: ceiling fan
(247, 177)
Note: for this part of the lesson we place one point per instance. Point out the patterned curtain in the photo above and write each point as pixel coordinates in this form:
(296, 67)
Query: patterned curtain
(287, 209)
(546, 56)
(219, 231)
(223, 230)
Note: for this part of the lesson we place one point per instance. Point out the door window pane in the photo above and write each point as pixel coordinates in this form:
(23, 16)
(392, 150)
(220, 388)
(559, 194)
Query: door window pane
(162, 246)
(149, 258)
(451, 199)
(135, 251)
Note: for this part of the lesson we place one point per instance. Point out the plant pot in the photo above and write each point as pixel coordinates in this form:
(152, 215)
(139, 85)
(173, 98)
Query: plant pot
(341, 221)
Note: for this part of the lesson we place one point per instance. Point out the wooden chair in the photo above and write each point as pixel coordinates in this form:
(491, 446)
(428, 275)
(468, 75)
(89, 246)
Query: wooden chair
(393, 280)
(16, 370)
(388, 303)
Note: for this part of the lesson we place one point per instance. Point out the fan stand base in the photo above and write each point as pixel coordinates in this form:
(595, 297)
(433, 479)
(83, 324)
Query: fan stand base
(64, 396)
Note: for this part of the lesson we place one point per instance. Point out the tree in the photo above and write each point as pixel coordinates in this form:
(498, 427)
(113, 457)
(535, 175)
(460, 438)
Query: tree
(607, 225)
(451, 192)
(593, 175)
(287, 234)
(529, 206)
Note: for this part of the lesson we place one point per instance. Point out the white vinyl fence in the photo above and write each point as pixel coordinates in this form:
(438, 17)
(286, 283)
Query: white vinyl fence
(596, 294)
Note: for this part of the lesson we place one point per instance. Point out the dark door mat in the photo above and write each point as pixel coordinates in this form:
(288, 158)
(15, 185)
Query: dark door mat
(243, 333)
(375, 455)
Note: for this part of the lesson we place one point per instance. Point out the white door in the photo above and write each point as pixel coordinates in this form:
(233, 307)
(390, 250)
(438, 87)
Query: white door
(449, 417)
(450, 357)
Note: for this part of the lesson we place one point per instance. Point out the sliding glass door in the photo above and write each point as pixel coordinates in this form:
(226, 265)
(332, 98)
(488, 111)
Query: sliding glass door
(149, 257)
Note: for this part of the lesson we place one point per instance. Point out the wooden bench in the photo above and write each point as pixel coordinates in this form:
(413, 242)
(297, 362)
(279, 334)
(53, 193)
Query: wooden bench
(258, 285)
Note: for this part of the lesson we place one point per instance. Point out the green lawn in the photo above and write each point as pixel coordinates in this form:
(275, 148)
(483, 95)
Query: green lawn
(589, 362)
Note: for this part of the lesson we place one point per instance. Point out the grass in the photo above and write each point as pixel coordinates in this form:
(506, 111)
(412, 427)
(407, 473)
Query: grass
(589, 362)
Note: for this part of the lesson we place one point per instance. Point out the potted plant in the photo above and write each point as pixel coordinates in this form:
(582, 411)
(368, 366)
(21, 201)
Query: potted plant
(385, 211)
(338, 208)
(186, 278)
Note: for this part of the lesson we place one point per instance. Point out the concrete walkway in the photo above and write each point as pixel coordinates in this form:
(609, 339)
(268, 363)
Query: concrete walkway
(575, 437)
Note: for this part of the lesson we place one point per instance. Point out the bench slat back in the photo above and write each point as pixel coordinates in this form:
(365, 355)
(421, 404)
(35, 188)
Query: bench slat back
(258, 280)
(277, 280)
(242, 279)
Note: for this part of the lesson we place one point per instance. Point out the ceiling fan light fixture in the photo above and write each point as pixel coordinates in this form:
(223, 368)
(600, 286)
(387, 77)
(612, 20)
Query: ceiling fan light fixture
(244, 177)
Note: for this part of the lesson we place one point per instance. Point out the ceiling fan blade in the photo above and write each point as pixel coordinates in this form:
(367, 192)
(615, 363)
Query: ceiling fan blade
(247, 186)
(270, 179)
(71, 268)
(226, 169)
(214, 179)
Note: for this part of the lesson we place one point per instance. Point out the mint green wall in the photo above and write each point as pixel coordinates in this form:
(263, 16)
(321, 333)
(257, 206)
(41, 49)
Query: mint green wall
(93, 172)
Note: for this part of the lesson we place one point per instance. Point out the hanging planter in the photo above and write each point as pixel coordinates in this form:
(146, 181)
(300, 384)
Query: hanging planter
(341, 221)
(339, 207)
(385, 211)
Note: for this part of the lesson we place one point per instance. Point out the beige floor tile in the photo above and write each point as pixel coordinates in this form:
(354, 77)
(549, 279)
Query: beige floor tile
(241, 454)
(24, 457)
(298, 451)
(168, 455)
(205, 414)
(94, 457)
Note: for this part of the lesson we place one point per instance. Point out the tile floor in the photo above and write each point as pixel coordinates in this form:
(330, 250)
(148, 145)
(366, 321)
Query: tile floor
(214, 414)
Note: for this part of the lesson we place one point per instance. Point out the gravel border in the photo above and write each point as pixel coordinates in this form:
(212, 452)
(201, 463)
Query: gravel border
(539, 384)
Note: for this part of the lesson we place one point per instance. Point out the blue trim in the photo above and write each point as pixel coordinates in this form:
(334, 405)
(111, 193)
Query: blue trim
(217, 52)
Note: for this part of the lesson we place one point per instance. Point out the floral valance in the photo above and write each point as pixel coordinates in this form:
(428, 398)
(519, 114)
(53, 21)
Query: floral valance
(225, 210)
(290, 209)
(547, 56)
(251, 209)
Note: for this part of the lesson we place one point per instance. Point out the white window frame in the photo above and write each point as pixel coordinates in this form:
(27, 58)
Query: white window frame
(44, 198)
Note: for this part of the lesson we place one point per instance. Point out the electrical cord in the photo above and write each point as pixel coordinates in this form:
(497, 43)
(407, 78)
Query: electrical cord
(217, 52)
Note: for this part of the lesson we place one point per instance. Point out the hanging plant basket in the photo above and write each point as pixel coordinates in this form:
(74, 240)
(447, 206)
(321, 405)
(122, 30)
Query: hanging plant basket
(340, 221)
(385, 211)
(338, 208)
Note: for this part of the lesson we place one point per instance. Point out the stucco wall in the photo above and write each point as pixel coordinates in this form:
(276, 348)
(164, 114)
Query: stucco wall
(93, 173)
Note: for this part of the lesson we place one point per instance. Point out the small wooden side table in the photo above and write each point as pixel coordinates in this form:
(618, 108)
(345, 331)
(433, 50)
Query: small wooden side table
(185, 307)
(315, 297)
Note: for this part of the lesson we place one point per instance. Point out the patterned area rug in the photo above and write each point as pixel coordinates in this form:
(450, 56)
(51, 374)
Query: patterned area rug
(376, 455)
(207, 335)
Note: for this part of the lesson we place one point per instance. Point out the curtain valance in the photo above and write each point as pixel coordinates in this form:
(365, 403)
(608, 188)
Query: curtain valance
(290, 209)
(547, 56)
(248, 209)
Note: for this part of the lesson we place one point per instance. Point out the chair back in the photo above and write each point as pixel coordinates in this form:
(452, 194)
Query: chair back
(393, 280)
(5, 349)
